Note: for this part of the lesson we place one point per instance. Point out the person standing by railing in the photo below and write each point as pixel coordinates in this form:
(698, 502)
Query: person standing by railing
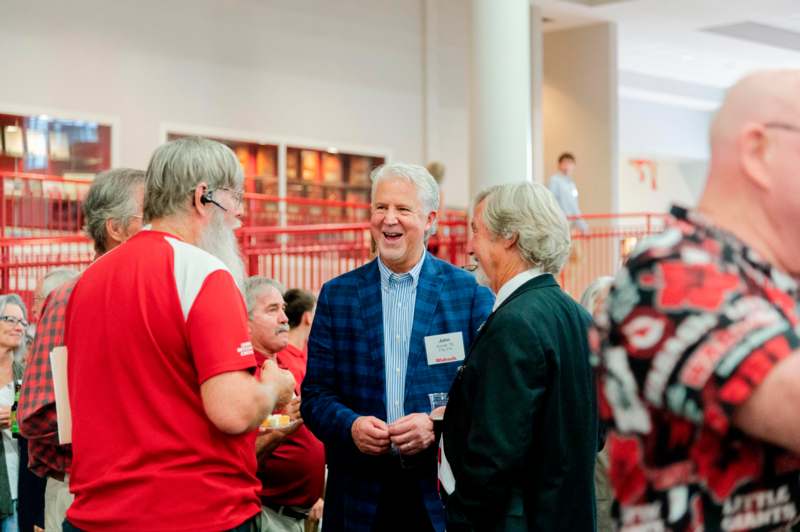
(13, 322)
(113, 213)
(565, 191)
(520, 428)
(699, 346)
(164, 404)
(385, 336)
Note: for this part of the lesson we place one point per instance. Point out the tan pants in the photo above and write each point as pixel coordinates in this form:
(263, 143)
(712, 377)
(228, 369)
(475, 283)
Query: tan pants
(272, 521)
(57, 500)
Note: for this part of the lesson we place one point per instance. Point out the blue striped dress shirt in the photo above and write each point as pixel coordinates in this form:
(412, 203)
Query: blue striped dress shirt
(399, 296)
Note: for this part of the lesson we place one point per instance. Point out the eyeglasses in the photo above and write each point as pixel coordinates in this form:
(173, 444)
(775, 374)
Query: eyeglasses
(13, 320)
(782, 125)
(237, 195)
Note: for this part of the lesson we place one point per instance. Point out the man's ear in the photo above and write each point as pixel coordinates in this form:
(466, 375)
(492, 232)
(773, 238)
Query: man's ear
(431, 219)
(755, 155)
(510, 241)
(197, 200)
(114, 231)
(307, 318)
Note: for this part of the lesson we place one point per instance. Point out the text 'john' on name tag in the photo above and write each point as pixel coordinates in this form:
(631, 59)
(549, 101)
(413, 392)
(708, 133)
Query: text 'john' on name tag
(444, 348)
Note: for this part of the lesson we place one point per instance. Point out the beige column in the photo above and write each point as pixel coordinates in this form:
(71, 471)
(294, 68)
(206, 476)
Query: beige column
(500, 118)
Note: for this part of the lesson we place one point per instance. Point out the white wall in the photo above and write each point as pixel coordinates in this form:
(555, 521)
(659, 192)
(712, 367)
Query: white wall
(344, 73)
(663, 130)
(451, 96)
(676, 139)
(678, 181)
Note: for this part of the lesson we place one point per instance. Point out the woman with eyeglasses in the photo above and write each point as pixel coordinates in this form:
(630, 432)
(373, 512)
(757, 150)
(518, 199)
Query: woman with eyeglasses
(13, 323)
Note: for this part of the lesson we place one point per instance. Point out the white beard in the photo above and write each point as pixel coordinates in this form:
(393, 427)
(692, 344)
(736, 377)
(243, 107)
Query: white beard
(220, 240)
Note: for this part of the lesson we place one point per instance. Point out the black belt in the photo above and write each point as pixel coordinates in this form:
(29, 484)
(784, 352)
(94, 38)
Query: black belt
(288, 511)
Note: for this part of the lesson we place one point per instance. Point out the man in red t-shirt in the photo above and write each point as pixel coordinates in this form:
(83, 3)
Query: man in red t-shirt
(291, 461)
(164, 403)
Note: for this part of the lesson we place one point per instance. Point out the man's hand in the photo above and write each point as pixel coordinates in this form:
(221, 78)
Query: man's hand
(279, 380)
(412, 434)
(371, 435)
(5, 417)
(269, 438)
(315, 514)
(293, 410)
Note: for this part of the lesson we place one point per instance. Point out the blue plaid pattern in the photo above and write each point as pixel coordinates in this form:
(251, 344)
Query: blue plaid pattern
(346, 377)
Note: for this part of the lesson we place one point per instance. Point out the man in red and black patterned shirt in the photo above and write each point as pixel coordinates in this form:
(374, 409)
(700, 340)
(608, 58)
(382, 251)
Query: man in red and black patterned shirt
(698, 348)
(113, 213)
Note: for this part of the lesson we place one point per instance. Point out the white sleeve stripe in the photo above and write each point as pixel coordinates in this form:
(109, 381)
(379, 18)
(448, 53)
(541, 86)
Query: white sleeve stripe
(192, 268)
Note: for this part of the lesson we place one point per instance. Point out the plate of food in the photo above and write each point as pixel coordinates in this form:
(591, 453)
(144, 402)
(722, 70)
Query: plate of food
(279, 422)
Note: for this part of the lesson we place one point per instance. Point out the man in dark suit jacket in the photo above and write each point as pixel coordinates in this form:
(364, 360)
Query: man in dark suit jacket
(384, 337)
(520, 429)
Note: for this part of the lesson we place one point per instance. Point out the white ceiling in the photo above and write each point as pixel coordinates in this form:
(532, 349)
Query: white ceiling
(668, 39)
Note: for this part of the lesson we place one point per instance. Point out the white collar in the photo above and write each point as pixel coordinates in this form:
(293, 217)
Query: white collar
(512, 284)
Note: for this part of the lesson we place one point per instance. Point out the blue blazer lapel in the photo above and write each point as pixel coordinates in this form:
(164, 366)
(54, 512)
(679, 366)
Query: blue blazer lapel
(369, 299)
(428, 290)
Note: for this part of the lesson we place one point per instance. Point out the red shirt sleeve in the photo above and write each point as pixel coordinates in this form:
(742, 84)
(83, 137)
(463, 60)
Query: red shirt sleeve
(217, 328)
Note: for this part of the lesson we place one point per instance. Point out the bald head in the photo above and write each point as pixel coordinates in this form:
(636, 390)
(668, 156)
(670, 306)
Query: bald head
(753, 188)
(759, 98)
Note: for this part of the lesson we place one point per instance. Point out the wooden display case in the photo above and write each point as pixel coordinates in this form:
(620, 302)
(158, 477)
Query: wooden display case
(328, 175)
(43, 144)
(311, 174)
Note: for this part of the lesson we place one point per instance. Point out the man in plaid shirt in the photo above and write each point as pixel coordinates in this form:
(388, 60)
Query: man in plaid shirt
(113, 213)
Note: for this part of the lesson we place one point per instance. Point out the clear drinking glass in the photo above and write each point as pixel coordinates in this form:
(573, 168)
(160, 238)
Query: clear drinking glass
(438, 401)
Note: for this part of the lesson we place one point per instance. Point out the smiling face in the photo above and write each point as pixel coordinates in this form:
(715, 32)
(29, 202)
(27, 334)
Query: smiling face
(398, 223)
(11, 334)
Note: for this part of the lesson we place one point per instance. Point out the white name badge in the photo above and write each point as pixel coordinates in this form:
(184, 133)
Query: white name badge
(444, 348)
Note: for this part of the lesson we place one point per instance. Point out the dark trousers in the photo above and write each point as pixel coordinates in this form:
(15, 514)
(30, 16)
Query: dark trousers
(30, 505)
(401, 507)
(251, 525)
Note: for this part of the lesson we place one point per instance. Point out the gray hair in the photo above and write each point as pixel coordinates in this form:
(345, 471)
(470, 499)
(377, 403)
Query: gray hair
(593, 291)
(254, 286)
(110, 197)
(55, 278)
(14, 299)
(419, 176)
(176, 169)
(529, 211)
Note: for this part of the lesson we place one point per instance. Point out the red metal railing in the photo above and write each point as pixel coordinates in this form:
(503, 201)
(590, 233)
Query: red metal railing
(306, 256)
(605, 246)
(40, 205)
(46, 205)
(23, 261)
(41, 217)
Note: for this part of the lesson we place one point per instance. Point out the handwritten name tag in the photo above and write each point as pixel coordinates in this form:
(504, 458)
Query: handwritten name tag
(444, 348)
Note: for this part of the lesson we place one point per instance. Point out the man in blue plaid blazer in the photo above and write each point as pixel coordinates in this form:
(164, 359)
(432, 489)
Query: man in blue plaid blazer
(384, 337)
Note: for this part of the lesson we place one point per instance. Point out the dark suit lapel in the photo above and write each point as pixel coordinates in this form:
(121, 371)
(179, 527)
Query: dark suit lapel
(369, 299)
(428, 289)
